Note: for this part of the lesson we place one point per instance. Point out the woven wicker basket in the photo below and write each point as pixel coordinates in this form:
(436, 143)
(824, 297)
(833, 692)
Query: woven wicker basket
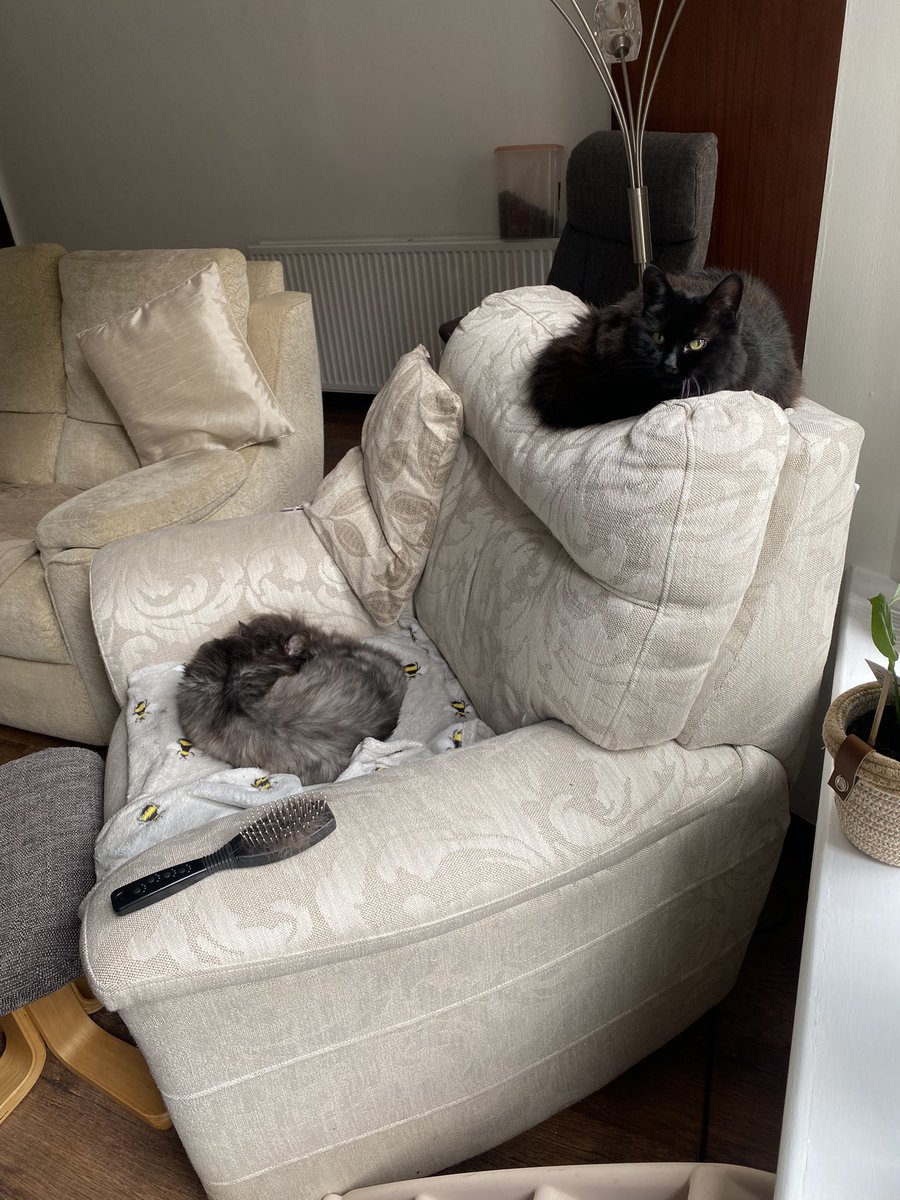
(870, 813)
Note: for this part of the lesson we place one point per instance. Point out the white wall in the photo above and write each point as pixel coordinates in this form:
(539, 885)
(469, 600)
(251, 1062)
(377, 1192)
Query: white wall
(223, 122)
(852, 357)
(852, 361)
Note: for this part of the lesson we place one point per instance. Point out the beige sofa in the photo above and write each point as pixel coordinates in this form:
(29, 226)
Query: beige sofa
(70, 480)
(641, 611)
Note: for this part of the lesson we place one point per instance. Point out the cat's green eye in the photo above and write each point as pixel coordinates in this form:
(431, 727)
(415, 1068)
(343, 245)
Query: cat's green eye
(657, 337)
(696, 343)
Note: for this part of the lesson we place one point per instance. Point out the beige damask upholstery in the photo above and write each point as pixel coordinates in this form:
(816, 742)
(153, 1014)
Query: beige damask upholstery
(642, 612)
(70, 480)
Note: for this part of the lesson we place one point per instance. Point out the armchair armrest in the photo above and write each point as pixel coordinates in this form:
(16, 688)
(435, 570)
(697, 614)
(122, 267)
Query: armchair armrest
(421, 850)
(281, 335)
(177, 491)
(155, 597)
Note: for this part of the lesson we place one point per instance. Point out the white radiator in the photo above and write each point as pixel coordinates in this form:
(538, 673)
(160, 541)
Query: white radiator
(374, 300)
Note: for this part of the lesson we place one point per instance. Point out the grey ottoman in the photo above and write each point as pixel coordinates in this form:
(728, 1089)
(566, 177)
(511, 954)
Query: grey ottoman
(51, 810)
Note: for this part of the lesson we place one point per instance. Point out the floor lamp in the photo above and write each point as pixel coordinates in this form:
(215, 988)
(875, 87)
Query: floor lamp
(614, 36)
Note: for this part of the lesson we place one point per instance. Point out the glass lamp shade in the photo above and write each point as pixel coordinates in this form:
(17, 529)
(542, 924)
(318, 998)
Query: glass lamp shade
(619, 29)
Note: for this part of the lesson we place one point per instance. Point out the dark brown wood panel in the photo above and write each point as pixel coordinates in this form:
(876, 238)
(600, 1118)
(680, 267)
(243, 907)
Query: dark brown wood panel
(761, 75)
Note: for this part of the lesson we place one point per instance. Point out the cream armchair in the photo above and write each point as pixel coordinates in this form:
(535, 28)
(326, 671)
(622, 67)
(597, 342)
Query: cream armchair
(641, 611)
(70, 480)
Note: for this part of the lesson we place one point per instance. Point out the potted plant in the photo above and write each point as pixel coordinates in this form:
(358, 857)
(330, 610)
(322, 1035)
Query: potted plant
(862, 734)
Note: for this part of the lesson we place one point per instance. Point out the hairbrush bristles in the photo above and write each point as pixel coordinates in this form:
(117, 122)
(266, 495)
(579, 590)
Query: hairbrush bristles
(281, 832)
(292, 826)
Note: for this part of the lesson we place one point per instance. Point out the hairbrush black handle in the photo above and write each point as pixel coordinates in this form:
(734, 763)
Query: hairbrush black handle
(298, 823)
(159, 884)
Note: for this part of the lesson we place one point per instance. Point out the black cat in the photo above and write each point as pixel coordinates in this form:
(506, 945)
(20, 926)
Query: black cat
(673, 338)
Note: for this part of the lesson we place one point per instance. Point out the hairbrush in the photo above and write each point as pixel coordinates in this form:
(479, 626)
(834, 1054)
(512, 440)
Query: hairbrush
(296, 824)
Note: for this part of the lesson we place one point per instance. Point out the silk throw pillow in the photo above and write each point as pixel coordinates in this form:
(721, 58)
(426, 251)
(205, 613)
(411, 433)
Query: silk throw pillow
(376, 511)
(180, 374)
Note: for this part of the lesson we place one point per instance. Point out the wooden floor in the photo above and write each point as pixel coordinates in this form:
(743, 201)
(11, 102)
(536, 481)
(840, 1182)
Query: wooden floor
(715, 1093)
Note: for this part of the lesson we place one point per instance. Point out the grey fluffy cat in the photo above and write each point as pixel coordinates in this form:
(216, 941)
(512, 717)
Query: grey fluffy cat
(279, 694)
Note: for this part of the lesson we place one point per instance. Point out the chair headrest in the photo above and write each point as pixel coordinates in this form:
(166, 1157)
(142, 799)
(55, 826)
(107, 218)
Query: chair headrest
(680, 174)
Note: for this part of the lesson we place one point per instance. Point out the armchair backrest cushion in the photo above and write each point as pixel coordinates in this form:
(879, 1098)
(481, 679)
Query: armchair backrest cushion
(595, 576)
(96, 286)
(32, 377)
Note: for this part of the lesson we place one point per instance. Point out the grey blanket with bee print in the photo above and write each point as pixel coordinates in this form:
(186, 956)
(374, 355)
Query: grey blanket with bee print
(173, 786)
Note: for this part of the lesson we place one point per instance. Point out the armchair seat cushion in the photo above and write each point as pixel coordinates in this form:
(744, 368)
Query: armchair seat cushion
(174, 786)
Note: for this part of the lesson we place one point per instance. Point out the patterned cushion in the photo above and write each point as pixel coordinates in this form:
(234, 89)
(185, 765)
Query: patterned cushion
(591, 575)
(376, 511)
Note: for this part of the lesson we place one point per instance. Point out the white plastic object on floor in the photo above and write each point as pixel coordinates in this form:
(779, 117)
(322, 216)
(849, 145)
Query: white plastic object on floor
(601, 1181)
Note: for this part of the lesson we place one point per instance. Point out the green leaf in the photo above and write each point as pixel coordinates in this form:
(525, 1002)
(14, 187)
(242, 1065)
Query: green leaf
(883, 628)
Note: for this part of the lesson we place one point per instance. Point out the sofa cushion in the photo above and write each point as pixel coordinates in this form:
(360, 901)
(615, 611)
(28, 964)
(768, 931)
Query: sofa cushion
(29, 630)
(29, 443)
(591, 575)
(21, 508)
(13, 552)
(32, 378)
(180, 374)
(90, 452)
(377, 509)
(99, 284)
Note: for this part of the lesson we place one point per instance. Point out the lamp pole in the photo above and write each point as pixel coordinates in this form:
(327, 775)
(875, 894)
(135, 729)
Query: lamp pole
(615, 36)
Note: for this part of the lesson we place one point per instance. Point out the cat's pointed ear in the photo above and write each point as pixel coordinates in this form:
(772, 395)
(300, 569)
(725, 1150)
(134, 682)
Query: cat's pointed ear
(297, 644)
(243, 630)
(657, 288)
(724, 300)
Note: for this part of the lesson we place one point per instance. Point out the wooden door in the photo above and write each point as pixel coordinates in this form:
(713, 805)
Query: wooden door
(761, 75)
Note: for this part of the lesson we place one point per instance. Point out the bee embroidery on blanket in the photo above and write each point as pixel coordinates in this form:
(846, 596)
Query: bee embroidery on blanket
(140, 710)
(148, 813)
(460, 706)
(184, 747)
(456, 738)
(411, 669)
(263, 783)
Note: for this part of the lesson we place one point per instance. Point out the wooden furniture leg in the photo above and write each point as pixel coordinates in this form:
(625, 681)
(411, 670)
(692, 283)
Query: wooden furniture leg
(22, 1059)
(89, 1001)
(107, 1062)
